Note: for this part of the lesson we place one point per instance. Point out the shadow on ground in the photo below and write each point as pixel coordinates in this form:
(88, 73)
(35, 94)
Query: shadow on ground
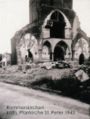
(67, 86)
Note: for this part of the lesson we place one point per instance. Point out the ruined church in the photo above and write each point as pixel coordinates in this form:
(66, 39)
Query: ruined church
(53, 33)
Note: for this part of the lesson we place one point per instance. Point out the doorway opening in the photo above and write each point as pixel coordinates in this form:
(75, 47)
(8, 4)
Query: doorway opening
(29, 57)
(60, 51)
(81, 59)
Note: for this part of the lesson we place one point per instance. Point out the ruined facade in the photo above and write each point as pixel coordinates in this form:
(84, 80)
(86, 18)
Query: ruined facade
(51, 35)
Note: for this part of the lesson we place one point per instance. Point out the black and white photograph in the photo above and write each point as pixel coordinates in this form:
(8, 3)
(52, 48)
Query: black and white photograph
(44, 59)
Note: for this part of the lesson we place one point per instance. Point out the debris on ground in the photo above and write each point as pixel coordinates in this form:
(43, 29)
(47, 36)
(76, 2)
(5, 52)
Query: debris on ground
(70, 81)
(81, 75)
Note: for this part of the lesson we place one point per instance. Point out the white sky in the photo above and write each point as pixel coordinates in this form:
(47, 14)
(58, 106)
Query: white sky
(82, 8)
(14, 14)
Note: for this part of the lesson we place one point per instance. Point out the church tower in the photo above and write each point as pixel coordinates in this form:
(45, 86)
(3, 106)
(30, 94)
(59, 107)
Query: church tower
(51, 23)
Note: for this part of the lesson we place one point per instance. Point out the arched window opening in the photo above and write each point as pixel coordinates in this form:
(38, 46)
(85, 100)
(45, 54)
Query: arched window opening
(47, 50)
(56, 24)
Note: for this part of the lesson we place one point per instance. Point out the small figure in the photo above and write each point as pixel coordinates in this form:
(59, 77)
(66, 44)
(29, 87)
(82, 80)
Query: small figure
(4, 63)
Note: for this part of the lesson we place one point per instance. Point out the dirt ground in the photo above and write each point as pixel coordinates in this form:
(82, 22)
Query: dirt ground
(18, 76)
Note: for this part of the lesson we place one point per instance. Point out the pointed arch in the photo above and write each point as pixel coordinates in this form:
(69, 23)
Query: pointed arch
(46, 51)
(60, 51)
(56, 25)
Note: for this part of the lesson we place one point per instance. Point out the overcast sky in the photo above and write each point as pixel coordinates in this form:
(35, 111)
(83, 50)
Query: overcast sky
(82, 8)
(14, 14)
